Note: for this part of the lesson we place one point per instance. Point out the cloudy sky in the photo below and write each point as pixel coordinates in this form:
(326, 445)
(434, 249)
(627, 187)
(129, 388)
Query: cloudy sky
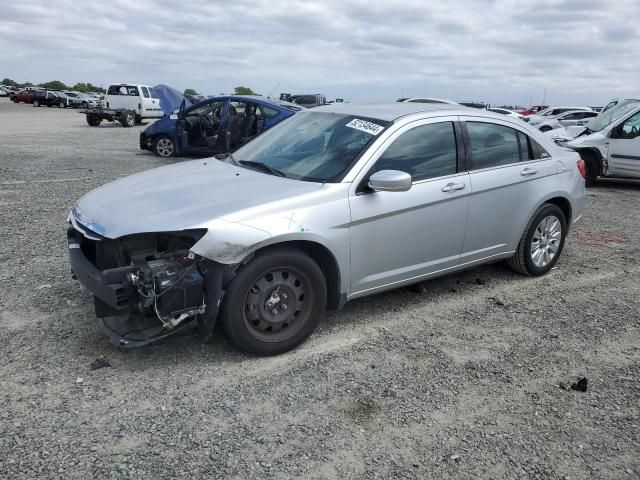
(497, 51)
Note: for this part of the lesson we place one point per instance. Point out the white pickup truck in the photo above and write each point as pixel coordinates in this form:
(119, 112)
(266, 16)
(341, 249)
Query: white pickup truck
(126, 103)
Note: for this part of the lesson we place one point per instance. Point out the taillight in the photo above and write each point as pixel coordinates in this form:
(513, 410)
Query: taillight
(582, 168)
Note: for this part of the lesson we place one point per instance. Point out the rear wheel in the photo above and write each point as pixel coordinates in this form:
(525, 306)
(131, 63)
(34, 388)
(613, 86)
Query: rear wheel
(36, 103)
(62, 105)
(275, 302)
(85, 105)
(93, 121)
(127, 119)
(164, 147)
(546, 128)
(541, 243)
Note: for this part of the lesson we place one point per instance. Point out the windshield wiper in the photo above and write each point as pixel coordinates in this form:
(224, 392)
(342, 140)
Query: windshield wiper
(227, 156)
(262, 166)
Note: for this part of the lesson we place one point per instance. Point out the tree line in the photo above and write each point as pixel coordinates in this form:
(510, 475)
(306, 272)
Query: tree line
(55, 85)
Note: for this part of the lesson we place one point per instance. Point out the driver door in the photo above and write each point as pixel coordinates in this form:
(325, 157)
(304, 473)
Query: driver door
(624, 149)
(398, 237)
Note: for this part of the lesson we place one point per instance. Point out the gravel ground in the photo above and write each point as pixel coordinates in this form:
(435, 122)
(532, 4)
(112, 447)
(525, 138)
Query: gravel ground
(458, 379)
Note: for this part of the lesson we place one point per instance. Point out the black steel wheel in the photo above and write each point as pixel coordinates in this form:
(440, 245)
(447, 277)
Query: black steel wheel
(275, 302)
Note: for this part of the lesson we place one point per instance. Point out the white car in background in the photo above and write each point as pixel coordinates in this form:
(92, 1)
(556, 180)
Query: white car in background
(507, 112)
(547, 113)
(427, 100)
(566, 119)
(609, 144)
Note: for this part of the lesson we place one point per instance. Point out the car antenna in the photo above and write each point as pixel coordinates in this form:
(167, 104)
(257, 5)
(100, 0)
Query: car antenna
(274, 89)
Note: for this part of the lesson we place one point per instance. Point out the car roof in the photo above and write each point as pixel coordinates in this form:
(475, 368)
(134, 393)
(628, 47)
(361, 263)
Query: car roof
(254, 98)
(391, 111)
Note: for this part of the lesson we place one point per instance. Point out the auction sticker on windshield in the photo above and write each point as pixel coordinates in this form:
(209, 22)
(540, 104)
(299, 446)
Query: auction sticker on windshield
(365, 126)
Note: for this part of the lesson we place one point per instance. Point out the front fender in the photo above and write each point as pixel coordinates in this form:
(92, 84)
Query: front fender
(228, 243)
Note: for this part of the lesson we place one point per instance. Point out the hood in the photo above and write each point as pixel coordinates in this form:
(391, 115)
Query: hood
(170, 98)
(596, 139)
(565, 133)
(182, 196)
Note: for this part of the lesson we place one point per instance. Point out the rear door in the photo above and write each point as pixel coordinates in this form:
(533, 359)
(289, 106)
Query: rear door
(151, 107)
(508, 170)
(624, 148)
(398, 237)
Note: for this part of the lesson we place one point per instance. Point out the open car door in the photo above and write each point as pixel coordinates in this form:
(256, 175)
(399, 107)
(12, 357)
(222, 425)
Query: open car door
(181, 133)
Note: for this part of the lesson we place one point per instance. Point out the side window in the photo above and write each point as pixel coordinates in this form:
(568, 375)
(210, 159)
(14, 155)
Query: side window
(114, 90)
(427, 151)
(537, 151)
(133, 91)
(268, 112)
(145, 92)
(631, 127)
(493, 145)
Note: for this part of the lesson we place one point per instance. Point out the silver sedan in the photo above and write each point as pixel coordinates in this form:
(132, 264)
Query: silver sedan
(333, 204)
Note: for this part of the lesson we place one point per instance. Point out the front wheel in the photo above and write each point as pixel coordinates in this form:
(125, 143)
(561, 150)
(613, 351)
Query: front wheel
(275, 302)
(541, 243)
(93, 121)
(36, 103)
(164, 147)
(62, 105)
(546, 128)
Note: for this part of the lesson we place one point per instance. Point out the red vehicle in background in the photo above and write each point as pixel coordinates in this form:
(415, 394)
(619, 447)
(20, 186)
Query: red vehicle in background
(532, 110)
(25, 96)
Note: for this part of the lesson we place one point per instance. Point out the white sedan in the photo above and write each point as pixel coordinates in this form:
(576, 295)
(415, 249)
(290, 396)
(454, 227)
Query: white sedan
(566, 119)
(506, 111)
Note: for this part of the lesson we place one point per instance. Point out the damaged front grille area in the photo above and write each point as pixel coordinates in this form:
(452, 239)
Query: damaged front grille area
(145, 286)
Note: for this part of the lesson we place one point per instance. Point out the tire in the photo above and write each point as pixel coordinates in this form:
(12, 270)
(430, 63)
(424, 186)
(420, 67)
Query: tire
(138, 119)
(127, 118)
(546, 128)
(292, 280)
(36, 103)
(164, 147)
(62, 105)
(533, 261)
(593, 170)
(85, 105)
(93, 121)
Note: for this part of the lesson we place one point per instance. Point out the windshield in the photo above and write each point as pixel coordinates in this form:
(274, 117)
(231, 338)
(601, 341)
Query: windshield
(313, 146)
(607, 118)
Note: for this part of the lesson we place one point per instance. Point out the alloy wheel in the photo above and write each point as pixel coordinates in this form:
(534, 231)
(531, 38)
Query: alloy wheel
(164, 147)
(546, 241)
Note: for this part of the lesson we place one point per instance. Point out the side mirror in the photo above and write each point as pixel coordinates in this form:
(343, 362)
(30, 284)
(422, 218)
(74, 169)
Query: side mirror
(390, 181)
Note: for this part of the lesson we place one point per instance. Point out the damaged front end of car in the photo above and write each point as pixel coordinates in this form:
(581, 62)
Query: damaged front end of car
(146, 286)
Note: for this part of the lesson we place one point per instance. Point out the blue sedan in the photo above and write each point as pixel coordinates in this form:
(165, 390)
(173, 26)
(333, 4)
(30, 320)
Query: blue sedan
(215, 125)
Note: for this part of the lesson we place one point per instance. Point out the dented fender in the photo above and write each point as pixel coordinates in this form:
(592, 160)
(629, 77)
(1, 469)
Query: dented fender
(228, 242)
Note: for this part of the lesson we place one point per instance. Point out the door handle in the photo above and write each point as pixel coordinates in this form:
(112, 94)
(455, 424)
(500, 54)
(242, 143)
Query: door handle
(450, 187)
(528, 171)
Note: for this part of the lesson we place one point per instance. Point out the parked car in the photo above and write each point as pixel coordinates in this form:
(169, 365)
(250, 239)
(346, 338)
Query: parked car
(426, 100)
(82, 100)
(547, 113)
(3, 93)
(566, 119)
(308, 100)
(532, 110)
(610, 143)
(615, 101)
(336, 203)
(506, 111)
(25, 95)
(49, 98)
(215, 125)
